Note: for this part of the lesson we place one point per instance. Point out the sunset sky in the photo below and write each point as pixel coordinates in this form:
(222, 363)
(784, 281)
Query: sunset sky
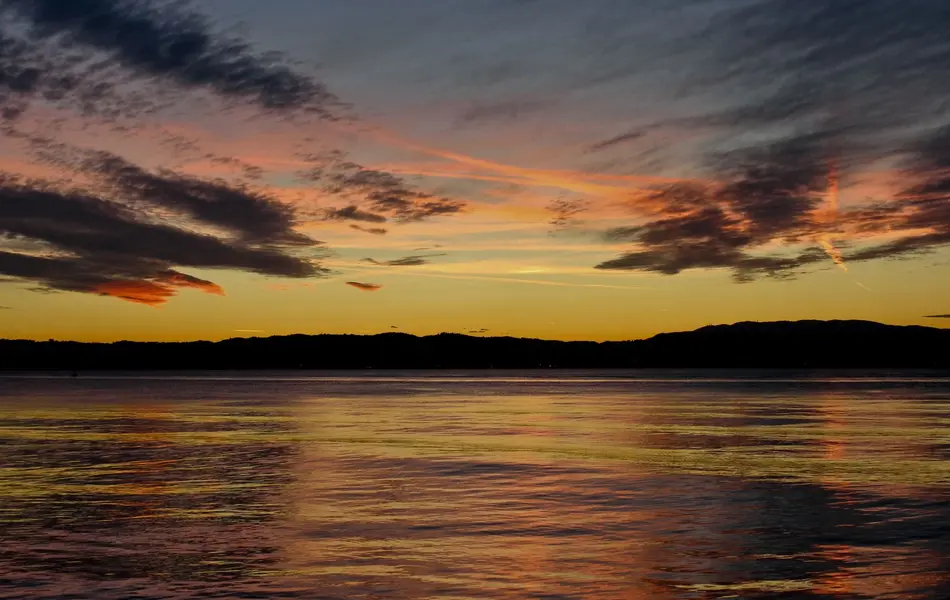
(605, 169)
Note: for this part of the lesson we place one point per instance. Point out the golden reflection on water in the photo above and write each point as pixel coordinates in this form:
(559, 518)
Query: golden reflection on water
(431, 488)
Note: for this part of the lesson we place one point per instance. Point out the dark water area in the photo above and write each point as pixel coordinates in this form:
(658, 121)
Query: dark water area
(653, 485)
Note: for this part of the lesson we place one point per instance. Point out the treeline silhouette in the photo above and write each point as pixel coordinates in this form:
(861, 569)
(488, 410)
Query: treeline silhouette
(800, 344)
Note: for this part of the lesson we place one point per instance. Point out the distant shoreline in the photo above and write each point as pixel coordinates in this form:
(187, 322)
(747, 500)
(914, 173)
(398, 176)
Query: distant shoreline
(774, 345)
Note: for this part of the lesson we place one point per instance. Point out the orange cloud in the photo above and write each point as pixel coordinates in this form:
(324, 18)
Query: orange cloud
(577, 181)
(141, 292)
(187, 281)
(155, 293)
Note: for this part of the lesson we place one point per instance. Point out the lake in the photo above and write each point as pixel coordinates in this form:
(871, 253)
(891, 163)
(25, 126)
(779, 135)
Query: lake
(652, 485)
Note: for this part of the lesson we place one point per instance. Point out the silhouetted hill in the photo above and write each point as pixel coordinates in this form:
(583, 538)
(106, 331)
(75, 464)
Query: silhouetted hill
(800, 344)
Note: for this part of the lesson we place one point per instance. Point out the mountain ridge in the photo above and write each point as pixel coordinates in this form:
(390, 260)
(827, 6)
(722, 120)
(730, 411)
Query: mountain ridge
(772, 344)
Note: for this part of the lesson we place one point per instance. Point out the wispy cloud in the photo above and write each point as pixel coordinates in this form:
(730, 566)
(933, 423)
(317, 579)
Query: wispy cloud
(629, 136)
(370, 230)
(524, 281)
(406, 261)
(353, 213)
(382, 194)
(112, 250)
(365, 287)
(152, 42)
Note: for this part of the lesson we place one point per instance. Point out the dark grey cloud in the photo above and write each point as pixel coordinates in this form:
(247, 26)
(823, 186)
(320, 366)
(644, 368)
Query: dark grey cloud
(32, 71)
(921, 210)
(149, 40)
(774, 193)
(6, 308)
(406, 261)
(370, 230)
(144, 282)
(129, 231)
(509, 110)
(255, 217)
(353, 213)
(765, 193)
(672, 259)
(789, 96)
(867, 65)
(378, 192)
(97, 245)
(629, 136)
(364, 287)
(564, 211)
(622, 234)
(777, 187)
(249, 171)
(937, 317)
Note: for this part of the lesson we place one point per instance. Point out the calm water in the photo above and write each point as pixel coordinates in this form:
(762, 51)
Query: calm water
(527, 486)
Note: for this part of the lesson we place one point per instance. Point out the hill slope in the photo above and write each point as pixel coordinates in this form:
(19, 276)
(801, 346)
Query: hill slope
(799, 344)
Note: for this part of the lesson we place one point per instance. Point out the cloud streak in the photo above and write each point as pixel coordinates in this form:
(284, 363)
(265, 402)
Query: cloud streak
(109, 226)
(364, 287)
(159, 43)
(353, 213)
(370, 230)
(381, 195)
(406, 261)
(253, 216)
(96, 245)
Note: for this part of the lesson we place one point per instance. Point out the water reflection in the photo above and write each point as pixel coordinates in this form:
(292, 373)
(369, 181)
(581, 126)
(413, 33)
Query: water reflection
(474, 488)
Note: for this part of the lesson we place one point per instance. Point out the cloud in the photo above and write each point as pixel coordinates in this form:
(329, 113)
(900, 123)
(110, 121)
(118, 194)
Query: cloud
(921, 209)
(867, 67)
(370, 230)
(783, 193)
(796, 103)
(937, 317)
(366, 287)
(253, 216)
(95, 245)
(621, 234)
(765, 193)
(565, 211)
(352, 213)
(630, 136)
(509, 110)
(6, 308)
(122, 230)
(152, 41)
(188, 281)
(406, 261)
(382, 194)
(153, 292)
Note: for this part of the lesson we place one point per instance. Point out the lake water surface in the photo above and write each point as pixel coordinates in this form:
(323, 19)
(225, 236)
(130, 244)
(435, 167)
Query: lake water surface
(521, 485)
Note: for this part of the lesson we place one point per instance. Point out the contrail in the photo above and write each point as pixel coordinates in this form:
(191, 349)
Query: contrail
(546, 282)
(833, 252)
(833, 190)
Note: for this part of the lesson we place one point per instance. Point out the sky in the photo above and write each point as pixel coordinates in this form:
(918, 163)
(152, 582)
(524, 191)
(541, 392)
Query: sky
(602, 170)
